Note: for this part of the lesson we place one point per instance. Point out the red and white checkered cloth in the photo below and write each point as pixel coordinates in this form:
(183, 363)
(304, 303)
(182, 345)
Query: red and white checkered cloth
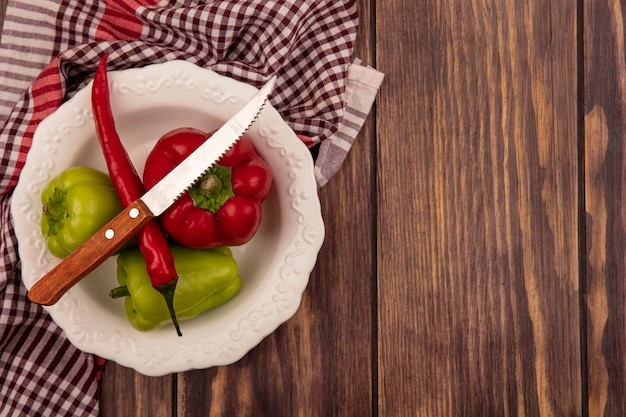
(49, 50)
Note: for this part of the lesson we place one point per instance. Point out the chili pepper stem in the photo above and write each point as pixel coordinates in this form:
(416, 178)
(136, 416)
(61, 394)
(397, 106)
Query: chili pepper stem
(167, 290)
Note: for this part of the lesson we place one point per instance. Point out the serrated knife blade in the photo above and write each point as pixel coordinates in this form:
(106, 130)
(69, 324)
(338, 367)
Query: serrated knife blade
(110, 238)
(166, 191)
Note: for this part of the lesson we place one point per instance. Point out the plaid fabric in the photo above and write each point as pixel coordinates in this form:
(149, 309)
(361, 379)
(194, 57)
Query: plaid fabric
(49, 50)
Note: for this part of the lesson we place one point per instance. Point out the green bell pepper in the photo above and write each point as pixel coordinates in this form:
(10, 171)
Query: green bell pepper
(76, 204)
(206, 279)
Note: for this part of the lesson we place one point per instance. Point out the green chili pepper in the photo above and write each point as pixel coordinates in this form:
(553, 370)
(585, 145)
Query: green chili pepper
(76, 204)
(206, 279)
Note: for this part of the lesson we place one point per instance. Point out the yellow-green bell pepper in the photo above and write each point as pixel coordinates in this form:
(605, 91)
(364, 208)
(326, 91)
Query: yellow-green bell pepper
(206, 279)
(76, 204)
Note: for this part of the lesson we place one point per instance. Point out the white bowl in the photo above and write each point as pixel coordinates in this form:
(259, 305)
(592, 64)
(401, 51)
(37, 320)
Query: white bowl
(274, 266)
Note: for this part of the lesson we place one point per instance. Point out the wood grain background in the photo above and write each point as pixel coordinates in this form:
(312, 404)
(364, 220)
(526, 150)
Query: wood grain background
(475, 255)
(488, 238)
(604, 223)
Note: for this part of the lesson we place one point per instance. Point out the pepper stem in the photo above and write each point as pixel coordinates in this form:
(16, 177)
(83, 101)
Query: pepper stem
(211, 185)
(119, 292)
(167, 290)
(55, 211)
(213, 189)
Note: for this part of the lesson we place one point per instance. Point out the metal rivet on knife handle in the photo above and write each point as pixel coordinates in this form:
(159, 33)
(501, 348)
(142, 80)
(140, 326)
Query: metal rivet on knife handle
(49, 289)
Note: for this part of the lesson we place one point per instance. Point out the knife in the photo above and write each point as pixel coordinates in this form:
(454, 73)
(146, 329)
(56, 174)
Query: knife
(112, 236)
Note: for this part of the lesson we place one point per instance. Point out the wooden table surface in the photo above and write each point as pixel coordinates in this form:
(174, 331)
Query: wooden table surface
(475, 258)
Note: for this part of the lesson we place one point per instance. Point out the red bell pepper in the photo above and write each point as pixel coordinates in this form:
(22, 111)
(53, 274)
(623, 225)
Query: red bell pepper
(224, 207)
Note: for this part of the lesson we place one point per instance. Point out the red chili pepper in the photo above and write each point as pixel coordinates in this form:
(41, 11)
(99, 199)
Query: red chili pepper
(151, 239)
(224, 207)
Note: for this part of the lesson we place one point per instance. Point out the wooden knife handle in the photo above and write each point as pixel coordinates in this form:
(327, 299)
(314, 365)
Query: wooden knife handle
(49, 289)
